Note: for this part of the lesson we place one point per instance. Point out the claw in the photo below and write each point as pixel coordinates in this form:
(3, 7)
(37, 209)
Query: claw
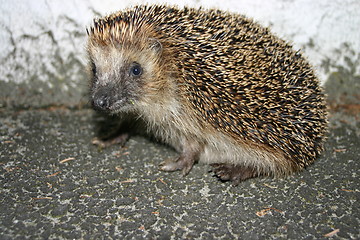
(235, 174)
(182, 163)
(170, 166)
(189, 154)
(121, 139)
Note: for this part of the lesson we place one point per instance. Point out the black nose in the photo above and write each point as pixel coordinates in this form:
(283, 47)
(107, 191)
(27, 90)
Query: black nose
(101, 102)
(101, 99)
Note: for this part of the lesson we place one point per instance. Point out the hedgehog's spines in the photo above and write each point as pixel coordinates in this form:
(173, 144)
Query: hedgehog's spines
(237, 77)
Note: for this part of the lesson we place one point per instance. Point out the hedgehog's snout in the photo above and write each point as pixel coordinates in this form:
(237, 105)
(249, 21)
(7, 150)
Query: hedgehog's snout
(104, 98)
(107, 99)
(101, 100)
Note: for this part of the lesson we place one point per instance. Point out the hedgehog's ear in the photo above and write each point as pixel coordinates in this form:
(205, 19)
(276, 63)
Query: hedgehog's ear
(155, 45)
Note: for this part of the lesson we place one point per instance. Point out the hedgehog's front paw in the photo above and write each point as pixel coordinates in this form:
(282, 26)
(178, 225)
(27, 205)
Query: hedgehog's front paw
(121, 140)
(182, 163)
(233, 173)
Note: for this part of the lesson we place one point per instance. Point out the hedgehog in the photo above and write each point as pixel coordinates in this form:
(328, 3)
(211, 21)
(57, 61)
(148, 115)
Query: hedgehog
(215, 85)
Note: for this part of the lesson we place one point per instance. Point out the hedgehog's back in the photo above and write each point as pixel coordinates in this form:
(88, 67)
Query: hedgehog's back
(245, 81)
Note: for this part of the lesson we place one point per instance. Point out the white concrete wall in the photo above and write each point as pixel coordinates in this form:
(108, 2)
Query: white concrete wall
(43, 41)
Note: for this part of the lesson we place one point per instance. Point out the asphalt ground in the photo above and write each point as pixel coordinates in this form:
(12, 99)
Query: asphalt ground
(56, 185)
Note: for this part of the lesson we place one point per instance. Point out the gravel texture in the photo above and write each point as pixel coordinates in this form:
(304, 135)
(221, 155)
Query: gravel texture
(56, 184)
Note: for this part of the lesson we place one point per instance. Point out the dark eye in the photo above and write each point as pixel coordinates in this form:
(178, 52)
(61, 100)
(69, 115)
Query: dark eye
(136, 70)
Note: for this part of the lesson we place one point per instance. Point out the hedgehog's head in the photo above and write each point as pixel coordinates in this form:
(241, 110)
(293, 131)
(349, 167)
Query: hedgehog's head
(124, 59)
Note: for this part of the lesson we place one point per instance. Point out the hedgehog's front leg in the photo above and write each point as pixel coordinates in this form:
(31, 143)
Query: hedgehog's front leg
(188, 156)
(121, 140)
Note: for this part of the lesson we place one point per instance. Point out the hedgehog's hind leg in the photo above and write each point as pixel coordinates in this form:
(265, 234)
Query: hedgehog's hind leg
(233, 173)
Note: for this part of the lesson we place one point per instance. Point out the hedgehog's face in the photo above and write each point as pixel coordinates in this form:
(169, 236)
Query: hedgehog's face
(120, 75)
